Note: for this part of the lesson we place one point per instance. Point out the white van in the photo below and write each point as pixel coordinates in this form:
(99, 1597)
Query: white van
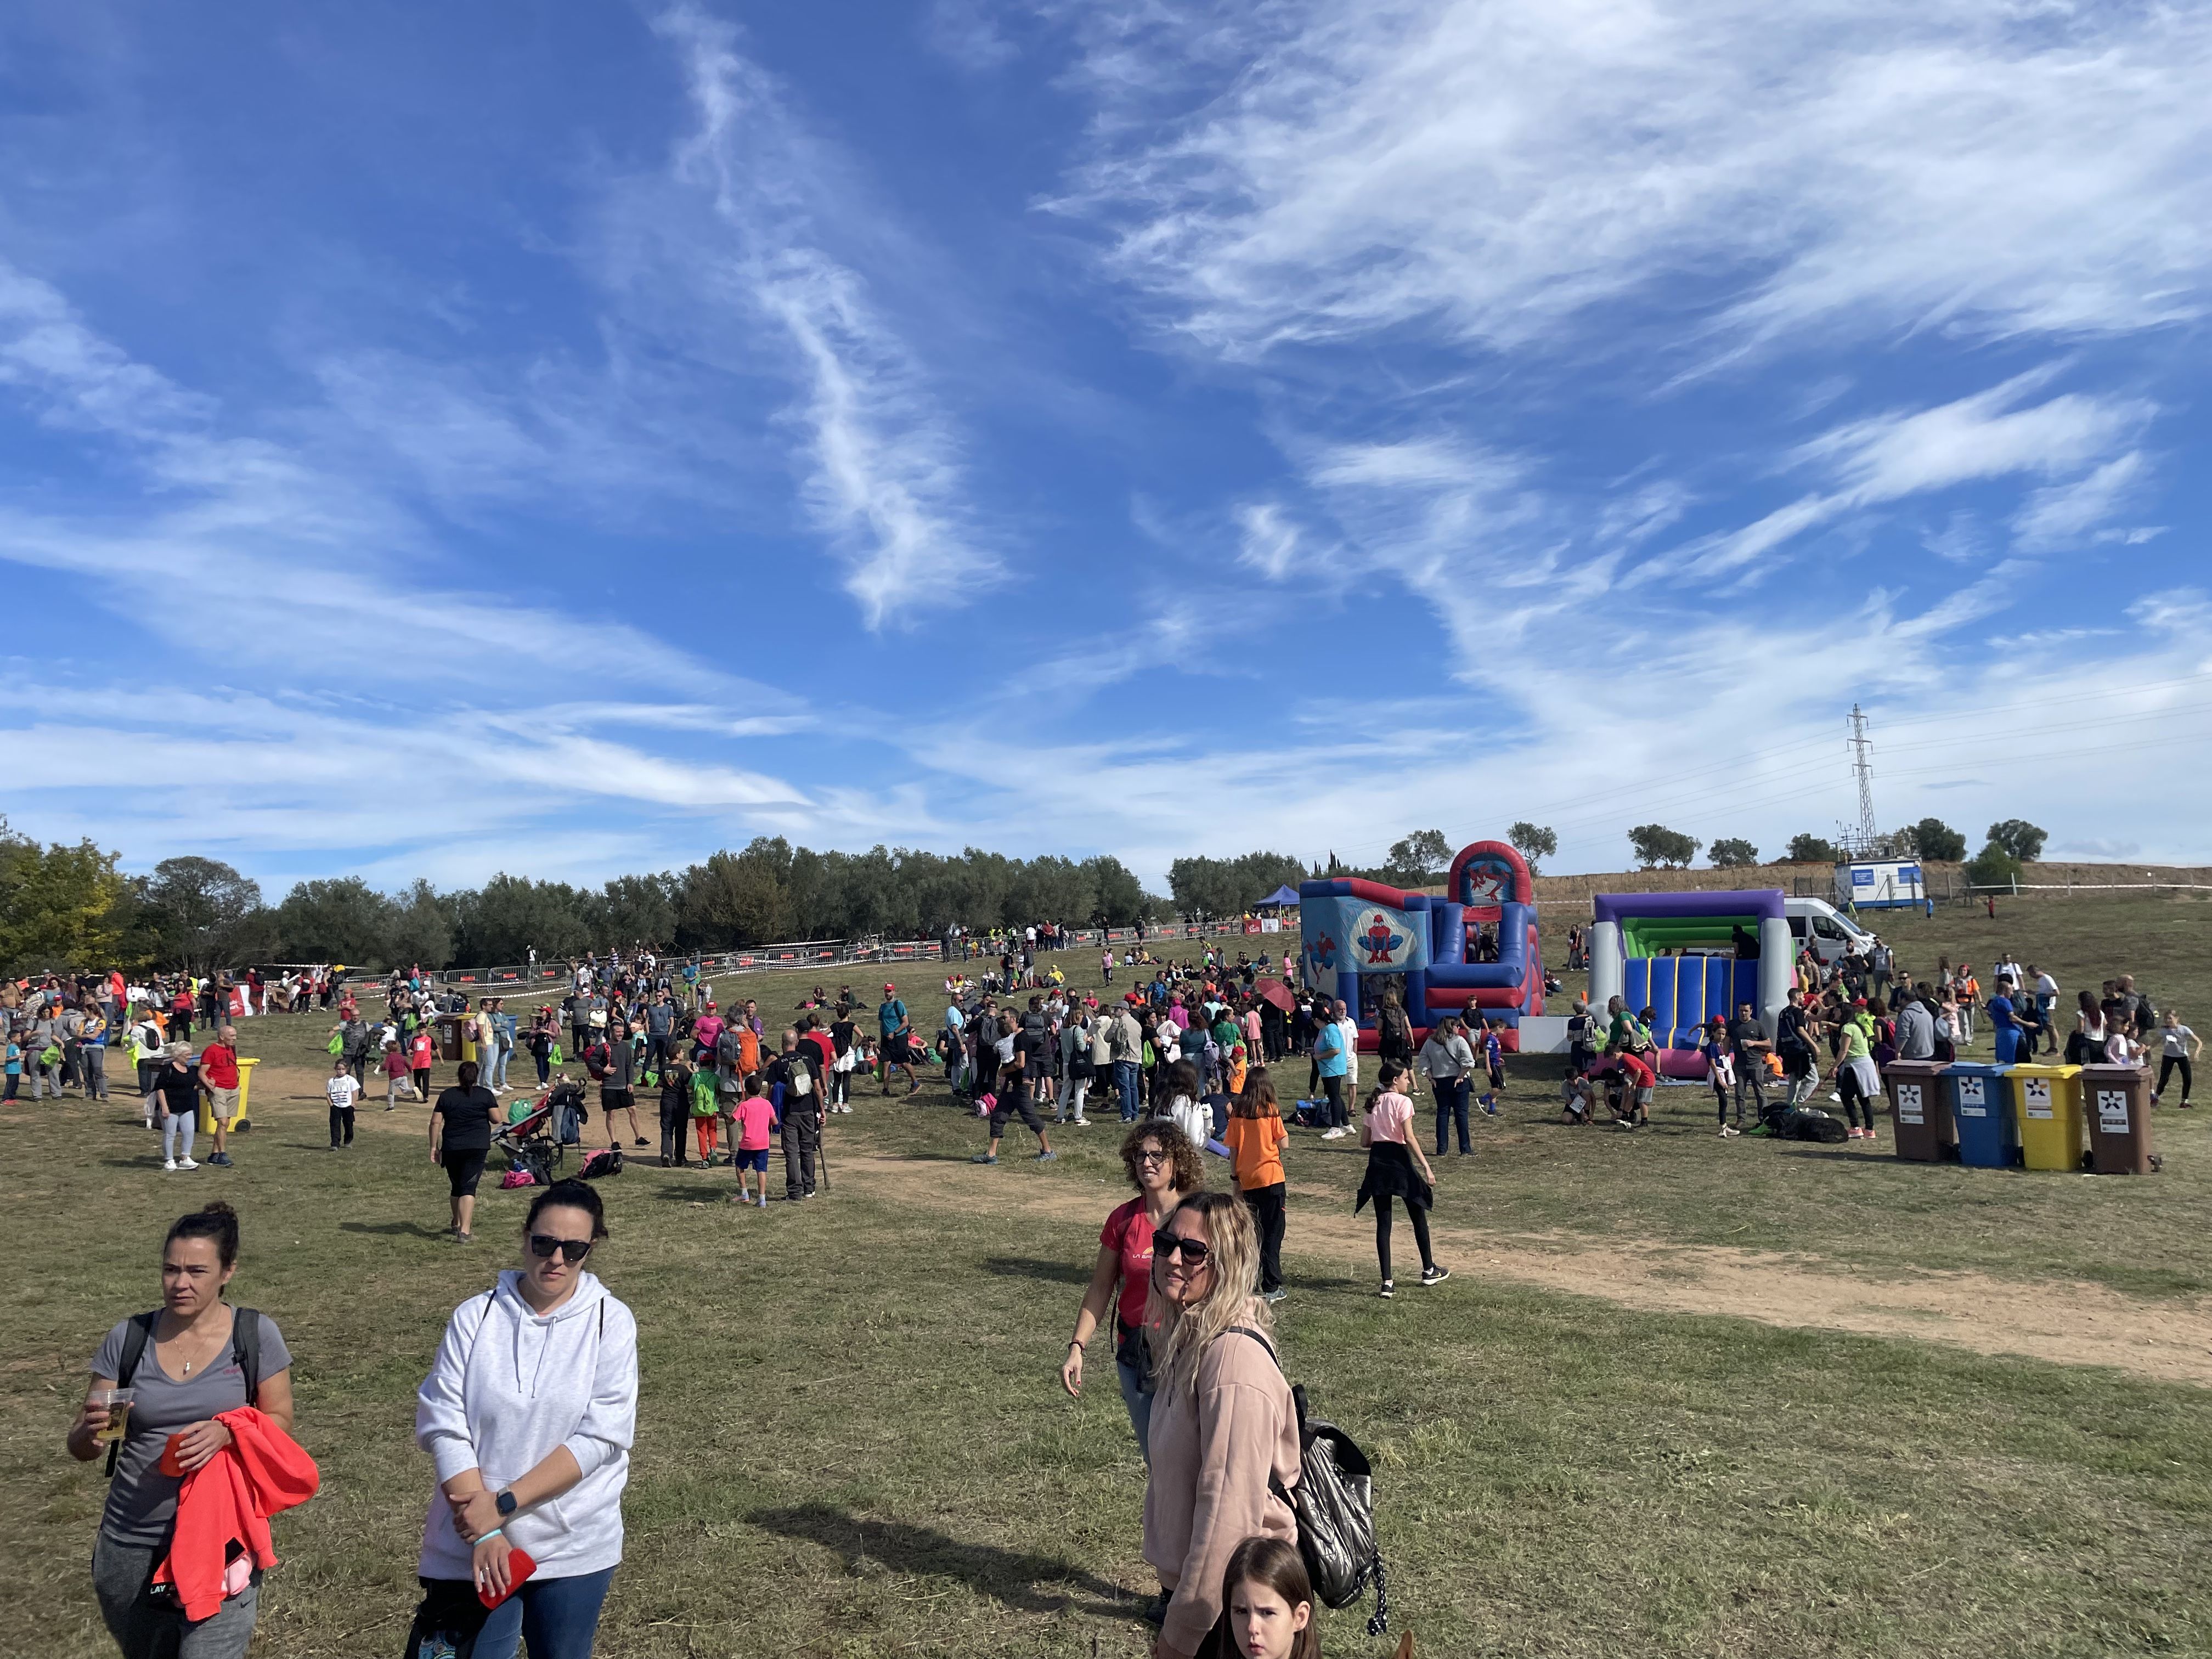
(1830, 932)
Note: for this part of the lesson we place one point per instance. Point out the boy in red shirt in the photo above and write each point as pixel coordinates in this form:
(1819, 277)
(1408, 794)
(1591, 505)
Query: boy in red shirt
(422, 1049)
(1638, 1080)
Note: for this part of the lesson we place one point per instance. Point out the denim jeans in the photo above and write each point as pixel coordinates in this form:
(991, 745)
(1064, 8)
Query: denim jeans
(1139, 1405)
(1451, 1107)
(1125, 1084)
(556, 1617)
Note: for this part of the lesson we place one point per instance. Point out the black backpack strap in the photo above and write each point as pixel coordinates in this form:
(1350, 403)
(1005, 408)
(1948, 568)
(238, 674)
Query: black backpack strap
(245, 1349)
(135, 1336)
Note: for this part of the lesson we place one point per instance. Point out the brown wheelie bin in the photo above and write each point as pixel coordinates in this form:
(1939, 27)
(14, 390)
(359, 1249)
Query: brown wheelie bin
(2115, 1100)
(1920, 1109)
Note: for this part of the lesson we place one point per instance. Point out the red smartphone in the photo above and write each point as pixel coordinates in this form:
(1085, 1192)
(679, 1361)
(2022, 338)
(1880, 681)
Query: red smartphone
(519, 1566)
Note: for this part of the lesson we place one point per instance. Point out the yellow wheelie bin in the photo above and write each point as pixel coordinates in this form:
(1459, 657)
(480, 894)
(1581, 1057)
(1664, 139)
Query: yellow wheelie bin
(2046, 1103)
(237, 1119)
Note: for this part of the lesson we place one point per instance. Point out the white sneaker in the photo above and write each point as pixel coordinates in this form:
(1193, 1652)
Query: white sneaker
(186, 1163)
(168, 1164)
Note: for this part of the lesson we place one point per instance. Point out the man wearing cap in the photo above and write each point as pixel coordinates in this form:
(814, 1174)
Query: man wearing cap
(891, 1022)
(1125, 1046)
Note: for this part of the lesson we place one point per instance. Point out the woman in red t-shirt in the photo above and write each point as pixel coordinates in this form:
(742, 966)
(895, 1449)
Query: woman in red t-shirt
(1163, 1166)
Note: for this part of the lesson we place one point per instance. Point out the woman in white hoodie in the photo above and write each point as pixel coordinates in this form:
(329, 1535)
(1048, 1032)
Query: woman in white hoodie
(528, 1412)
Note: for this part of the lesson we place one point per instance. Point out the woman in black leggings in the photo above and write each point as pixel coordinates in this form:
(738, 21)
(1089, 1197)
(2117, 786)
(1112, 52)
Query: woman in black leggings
(1394, 1156)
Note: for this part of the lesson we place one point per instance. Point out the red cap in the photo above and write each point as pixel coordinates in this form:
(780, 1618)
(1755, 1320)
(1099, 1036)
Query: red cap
(888, 986)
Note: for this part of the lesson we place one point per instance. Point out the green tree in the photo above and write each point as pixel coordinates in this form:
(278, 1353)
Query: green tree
(1121, 897)
(1732, 853)
(2021, 839)
(1203, 888)
(206, 915)
(737, 898)
(422, 930)
(59, 905)
(1994, 865)
(1532, 842)
(1934, 839)
(638, 910)
(339, 919)
(501, 920)
(1809, 848)
(1417, 861)
(1655, 844)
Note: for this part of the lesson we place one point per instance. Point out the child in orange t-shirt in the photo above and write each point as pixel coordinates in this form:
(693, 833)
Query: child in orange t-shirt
(1255, 1137)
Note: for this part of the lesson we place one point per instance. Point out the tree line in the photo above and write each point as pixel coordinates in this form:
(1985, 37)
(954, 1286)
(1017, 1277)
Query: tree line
(2010, 843)
(69, 907)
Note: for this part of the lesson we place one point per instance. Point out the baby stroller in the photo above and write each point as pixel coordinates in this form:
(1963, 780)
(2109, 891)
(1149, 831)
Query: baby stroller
(531, 1145)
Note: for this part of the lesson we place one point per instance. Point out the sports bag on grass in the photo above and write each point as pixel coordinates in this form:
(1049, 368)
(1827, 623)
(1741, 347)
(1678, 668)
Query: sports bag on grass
(607, 1161)
(1334, 1503)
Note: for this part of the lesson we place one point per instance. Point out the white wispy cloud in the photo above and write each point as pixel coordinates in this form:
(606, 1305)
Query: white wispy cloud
(1503, 170)
(884, 479)
(1991, 434)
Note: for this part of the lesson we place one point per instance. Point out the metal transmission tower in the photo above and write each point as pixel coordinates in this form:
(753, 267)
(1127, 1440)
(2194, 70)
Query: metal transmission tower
(1863, 838)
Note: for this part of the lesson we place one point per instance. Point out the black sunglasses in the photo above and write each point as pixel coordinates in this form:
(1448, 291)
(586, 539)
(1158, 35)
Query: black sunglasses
(573, 1250)
(1192, 1251)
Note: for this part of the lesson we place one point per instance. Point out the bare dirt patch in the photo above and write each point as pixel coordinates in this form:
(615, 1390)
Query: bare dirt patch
(2066, 1322)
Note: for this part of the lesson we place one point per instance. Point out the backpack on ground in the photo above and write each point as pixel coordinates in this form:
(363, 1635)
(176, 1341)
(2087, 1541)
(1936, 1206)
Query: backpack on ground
(1335, 1503)
(607, 1161)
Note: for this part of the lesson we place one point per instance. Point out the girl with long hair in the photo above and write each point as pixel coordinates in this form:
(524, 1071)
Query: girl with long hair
(1268, 1601)
(1255, 1137)
(1224, 1431)
(1396, 1168)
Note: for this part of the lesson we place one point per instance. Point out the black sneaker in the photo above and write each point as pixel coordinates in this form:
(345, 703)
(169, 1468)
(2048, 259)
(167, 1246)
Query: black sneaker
(1435, 1275)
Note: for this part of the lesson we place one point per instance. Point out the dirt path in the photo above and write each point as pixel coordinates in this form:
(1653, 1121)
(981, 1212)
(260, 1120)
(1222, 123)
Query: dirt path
(2066, 1323)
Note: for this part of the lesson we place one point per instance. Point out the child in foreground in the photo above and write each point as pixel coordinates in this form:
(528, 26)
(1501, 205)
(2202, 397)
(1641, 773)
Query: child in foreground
(1267, 1603)
(756, 1122)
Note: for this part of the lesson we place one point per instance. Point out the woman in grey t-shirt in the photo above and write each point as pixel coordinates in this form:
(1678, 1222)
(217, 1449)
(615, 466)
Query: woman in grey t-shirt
(192, 1370)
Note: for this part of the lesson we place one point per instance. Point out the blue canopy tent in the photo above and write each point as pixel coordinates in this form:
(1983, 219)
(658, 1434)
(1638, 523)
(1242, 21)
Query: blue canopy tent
(1284, 895)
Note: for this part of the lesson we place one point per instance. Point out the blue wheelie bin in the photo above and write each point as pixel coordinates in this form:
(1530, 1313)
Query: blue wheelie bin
(1981, 1112)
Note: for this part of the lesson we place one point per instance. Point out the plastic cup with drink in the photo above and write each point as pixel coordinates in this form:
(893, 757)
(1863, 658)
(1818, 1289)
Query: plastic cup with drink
(118, 1404)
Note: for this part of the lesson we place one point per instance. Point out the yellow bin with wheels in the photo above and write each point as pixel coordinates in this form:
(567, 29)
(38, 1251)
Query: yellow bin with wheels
(2046, 1104)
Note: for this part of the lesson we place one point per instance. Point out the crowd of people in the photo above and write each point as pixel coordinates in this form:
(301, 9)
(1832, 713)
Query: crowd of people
(528, 1433)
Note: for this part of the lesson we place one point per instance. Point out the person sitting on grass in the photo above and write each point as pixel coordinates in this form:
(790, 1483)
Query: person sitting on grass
(1580, 1099)
(1012, 1092)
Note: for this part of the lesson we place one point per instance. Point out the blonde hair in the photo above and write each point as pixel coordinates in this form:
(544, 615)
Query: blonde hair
(1181, 1335)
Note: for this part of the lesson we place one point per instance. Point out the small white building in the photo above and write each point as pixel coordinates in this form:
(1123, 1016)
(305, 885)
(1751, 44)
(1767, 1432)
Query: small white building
(1880, 884)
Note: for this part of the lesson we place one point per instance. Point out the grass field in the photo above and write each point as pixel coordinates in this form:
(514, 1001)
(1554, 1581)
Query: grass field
(852, 1442)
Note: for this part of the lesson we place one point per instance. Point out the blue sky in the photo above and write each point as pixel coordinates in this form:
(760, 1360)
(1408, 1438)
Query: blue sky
(565, 440)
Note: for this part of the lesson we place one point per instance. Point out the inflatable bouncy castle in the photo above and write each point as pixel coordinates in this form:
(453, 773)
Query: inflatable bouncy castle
(1688, 956)
(1472, 952)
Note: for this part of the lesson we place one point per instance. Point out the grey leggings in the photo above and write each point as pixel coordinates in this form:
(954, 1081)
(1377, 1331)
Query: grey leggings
(148, 1627)
(178, 1127)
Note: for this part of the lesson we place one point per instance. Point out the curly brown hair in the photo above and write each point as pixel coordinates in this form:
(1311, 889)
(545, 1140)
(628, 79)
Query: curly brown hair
(1161, 1131)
